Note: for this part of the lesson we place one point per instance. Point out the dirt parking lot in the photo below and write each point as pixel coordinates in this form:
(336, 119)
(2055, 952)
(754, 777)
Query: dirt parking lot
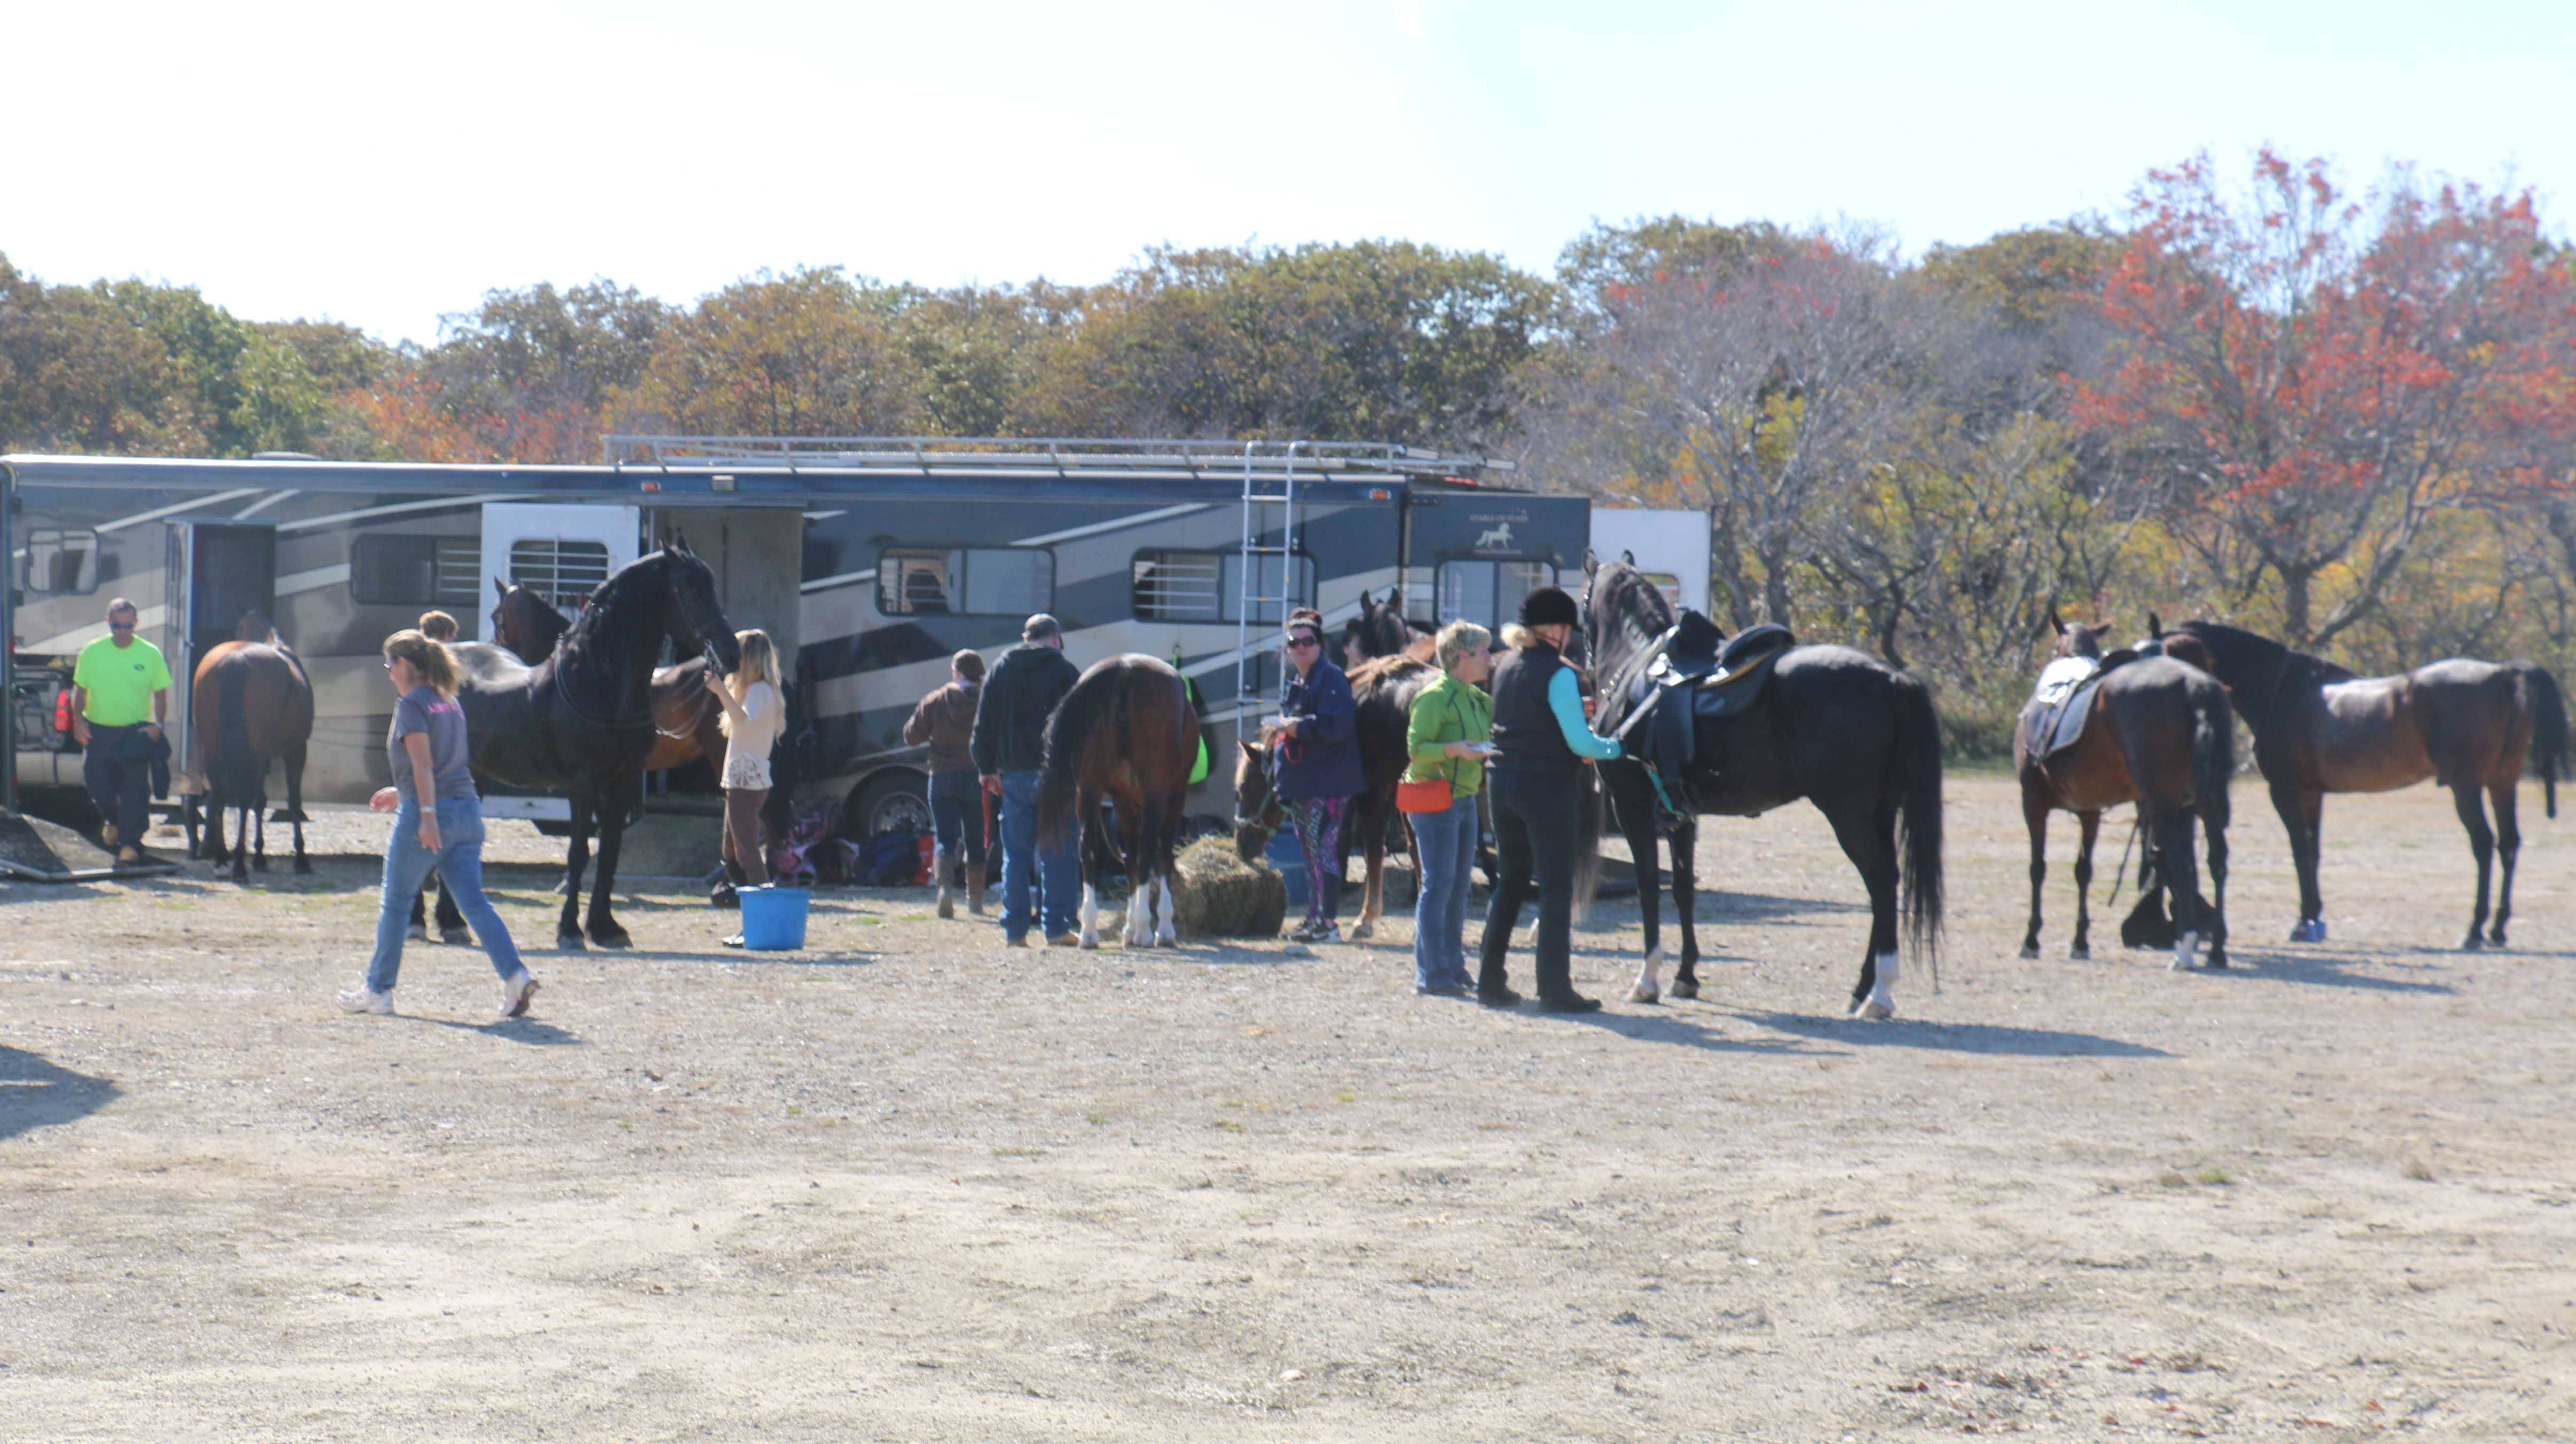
(908, 1186)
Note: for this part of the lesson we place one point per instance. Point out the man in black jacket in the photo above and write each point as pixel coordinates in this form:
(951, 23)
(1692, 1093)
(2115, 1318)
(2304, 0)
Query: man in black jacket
(1009, 745)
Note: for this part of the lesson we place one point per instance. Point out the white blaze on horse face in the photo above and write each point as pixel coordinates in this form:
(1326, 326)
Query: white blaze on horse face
(1649, 982)
(2185, 945)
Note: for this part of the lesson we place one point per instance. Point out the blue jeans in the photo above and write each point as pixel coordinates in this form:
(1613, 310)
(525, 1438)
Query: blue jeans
(1447, 842)
(459, 859)
(957, 815)
(116, 766)
(1056, 863)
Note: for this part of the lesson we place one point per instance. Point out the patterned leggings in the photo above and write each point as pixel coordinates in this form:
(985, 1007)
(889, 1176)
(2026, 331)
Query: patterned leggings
(1319, 836)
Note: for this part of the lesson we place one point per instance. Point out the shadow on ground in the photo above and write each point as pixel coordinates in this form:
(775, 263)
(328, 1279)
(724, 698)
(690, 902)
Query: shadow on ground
(38, 1093)
(1953, 1037)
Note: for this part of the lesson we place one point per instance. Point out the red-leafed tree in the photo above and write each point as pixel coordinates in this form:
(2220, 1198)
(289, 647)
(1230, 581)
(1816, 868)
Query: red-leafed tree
(2311, 375)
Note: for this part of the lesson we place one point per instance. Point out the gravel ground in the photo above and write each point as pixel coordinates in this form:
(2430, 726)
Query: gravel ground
(907, 1185)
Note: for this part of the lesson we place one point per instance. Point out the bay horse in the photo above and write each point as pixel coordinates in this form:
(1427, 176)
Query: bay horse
(2159, 735)
(2319, 729)
(580, 721)
(1380, 629)
(250, 702)
(1384, 689)
(1126, 734)
(1849, 733)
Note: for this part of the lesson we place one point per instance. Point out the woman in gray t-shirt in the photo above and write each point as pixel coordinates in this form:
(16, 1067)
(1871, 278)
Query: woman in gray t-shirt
(425, 751)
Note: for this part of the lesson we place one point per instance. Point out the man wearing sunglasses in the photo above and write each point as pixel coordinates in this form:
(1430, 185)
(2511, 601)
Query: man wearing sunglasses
(120, 699)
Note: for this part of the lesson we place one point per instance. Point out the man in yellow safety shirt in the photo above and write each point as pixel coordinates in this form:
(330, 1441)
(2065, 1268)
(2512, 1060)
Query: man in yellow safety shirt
(120, 699)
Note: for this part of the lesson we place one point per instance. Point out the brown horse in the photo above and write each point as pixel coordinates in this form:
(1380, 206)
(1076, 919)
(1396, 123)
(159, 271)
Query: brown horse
(1384, 689)
(2158, 735)
(1382, 630)
(1126, 733)
(250, 702)
(2320, 729)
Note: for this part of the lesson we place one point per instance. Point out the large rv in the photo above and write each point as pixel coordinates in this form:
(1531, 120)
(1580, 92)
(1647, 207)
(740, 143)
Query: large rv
(870, 561)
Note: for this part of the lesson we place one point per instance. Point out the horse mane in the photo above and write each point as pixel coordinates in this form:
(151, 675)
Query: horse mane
(2216, 635)
(1369, 673)
(1636, 614)
(584, 659)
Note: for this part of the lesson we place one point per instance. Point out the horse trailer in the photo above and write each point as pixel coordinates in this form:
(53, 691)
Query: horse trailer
(870, 562)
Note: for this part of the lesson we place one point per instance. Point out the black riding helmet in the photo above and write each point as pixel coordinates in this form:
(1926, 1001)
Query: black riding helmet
(1549, 607)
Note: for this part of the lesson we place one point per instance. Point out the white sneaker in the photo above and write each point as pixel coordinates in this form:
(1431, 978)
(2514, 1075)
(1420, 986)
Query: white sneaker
(516, 994)
(362, 999)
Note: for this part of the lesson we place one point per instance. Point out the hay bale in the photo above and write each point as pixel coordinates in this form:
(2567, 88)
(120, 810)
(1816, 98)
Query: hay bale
(1219, 895)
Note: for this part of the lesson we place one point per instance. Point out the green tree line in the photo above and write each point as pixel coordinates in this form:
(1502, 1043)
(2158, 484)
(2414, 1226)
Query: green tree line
(2342, 417)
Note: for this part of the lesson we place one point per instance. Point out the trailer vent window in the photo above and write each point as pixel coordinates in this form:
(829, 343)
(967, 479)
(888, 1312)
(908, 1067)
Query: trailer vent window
(1489, 593)
(563, 572)
(398, 570)
(1179, 586)
(965, 581)
(60, 562)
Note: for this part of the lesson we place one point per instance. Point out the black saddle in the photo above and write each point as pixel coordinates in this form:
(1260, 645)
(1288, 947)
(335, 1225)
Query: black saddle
(1694, 676)
(2058, 723)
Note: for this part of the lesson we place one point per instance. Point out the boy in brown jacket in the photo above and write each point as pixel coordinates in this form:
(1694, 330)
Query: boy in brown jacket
(946, 721)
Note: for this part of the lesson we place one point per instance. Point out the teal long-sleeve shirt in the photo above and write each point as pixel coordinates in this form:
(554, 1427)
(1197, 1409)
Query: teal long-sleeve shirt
(1566, 701)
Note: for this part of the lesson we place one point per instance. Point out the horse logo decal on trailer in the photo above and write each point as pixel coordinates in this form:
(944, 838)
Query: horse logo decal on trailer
(1498, 536)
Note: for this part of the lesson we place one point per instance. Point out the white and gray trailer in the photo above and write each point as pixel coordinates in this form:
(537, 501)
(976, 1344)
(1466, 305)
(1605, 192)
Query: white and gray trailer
(870, 561)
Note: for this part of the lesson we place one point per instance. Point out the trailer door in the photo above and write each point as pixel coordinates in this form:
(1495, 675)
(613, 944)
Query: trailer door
(561, 551)
(226, 569)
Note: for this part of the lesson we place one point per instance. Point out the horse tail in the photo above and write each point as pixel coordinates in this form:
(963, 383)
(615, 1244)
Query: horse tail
(2549, 741)
(1090, 705)
(229, 771)
(2213, 750)
(1918, 764)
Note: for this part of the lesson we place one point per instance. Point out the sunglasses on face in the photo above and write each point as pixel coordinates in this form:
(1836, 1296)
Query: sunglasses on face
(120, 626)
(1302, 641)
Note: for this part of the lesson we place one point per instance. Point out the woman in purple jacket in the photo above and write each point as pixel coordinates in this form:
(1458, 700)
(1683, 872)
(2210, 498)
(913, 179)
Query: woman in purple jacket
(1318, 770)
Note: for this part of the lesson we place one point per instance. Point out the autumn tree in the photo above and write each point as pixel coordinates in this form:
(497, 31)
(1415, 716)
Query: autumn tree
(2310, 375)
(1375, 340)
(800, 354)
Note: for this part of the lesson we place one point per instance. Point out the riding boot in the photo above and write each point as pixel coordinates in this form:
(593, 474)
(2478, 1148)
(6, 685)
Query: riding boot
(974, 872)
(939, 870)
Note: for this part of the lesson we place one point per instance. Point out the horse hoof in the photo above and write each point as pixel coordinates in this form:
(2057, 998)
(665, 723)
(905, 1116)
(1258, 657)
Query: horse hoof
(617, 939)
(1685, 988)
(456, 937)
(1872, 1010)
(2474, 941)
(417, 933)
(1363, 932)
(569, 943)
(2030, 950)
(2496, 938)
(1643, 994)
(2217, 959)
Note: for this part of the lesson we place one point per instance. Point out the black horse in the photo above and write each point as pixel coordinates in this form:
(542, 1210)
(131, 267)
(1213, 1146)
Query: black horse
(2468, 725)
(1838, 727)
(580, 722)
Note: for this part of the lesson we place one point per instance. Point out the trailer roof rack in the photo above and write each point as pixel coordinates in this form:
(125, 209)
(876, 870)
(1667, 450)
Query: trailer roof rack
(1064, 453)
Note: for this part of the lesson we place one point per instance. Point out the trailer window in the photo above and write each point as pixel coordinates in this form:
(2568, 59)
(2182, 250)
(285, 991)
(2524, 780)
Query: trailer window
(965, 581)
(563, 572)
(1179, 586)
(61, 562)
(1208, 587)
(1489, 593)
(401, 570)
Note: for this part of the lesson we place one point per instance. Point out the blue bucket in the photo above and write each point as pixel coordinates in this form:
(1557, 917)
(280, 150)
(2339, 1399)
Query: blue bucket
(773, 918)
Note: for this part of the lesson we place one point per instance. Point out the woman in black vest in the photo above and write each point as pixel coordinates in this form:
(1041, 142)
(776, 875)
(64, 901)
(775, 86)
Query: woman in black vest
(1536, 781)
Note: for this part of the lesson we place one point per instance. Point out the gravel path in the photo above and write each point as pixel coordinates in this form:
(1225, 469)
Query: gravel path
(907, 1185)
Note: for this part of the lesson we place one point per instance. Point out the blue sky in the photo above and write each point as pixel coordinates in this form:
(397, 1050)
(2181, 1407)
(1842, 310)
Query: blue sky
(383, 166)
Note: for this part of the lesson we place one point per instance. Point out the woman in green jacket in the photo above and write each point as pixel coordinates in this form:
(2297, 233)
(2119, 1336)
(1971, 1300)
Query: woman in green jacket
(1447, 733)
